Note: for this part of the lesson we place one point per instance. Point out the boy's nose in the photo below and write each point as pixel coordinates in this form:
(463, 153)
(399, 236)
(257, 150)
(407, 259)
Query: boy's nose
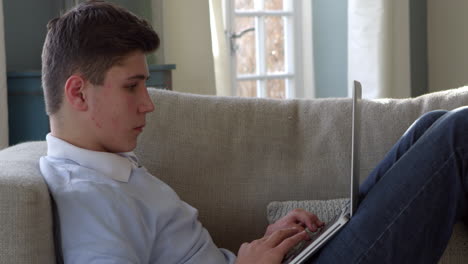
(147, 105)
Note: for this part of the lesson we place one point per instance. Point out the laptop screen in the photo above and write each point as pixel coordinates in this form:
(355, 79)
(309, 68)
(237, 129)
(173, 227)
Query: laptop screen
(355, 146)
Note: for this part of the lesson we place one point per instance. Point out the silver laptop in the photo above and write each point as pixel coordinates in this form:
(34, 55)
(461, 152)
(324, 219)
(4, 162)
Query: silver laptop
(306, 249)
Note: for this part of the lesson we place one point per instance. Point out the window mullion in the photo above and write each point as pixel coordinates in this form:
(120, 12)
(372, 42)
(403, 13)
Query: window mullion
(230, 25)
(259, 4)
(289, 54)
(260, 25)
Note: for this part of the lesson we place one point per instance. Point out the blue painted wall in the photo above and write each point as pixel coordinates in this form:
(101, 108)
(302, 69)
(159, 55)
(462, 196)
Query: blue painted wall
(25, 28)
(330, 29)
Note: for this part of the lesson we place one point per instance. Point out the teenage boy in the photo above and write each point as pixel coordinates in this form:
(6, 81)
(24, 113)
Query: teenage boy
(110, 209)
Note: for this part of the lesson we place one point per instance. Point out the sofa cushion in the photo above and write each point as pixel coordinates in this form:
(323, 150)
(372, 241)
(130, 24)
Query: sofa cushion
(456, 251)
(25, 212)
(325, 210)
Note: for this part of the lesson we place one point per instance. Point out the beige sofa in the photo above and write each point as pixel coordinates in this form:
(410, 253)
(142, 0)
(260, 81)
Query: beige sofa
(229, 157)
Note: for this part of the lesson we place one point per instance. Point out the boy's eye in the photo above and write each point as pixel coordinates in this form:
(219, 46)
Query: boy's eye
(131, 86)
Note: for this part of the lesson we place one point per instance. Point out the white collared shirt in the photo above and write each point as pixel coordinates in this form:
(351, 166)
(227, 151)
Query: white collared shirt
(111, 210)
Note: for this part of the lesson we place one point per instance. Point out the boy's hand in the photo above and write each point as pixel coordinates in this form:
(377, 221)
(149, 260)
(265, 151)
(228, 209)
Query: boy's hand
(297, 218)
(270, 249)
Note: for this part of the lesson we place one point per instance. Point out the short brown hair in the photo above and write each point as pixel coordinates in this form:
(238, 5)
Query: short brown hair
(89, 39)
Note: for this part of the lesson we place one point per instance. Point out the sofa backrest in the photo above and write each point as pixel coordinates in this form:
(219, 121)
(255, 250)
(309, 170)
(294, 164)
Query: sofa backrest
(229, 157)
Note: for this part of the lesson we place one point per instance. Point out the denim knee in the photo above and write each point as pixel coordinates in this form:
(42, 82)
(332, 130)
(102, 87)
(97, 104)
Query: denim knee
(457, 118)
(432, 116)
(425, 121)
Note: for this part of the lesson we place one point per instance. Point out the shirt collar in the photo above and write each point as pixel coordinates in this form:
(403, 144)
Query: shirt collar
(117, 166)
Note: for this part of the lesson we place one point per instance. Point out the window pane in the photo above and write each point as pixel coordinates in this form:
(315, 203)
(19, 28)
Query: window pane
(274, 44)
(245, 45)
(276, 89)
(244, 4)
(247, 88)
(274, 4)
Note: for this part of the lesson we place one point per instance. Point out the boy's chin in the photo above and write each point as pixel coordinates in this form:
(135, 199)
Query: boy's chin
(121, 148)
(128, 148)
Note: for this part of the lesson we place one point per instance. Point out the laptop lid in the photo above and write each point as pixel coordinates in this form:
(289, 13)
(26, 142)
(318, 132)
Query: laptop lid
(355, 146)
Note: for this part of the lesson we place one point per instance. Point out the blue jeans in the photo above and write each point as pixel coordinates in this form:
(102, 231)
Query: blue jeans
(411, 201)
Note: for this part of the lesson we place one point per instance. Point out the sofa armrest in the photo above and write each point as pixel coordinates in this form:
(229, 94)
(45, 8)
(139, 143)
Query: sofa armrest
(26, 234)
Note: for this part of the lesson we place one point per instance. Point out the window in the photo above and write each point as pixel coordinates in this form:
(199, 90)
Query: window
(263, 39)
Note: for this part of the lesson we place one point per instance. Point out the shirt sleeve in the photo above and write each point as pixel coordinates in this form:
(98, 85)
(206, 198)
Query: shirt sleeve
(181, 238)
(100, 225)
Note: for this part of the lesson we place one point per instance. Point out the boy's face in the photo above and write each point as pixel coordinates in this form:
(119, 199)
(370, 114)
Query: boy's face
(118, 107)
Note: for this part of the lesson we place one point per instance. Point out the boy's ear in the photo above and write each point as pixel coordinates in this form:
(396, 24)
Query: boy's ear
(74, 92)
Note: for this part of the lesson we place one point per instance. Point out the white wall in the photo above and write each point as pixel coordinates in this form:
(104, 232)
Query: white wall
(447, 44)
(187, 43)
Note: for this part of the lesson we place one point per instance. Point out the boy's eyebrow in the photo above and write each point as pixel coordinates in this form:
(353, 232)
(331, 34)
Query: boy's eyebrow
(139, 77)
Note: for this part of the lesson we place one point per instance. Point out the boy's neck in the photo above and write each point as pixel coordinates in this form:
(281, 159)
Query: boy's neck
(71, 133)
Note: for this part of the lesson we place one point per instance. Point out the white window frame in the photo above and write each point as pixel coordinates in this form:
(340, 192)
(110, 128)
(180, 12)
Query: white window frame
(298, 60)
